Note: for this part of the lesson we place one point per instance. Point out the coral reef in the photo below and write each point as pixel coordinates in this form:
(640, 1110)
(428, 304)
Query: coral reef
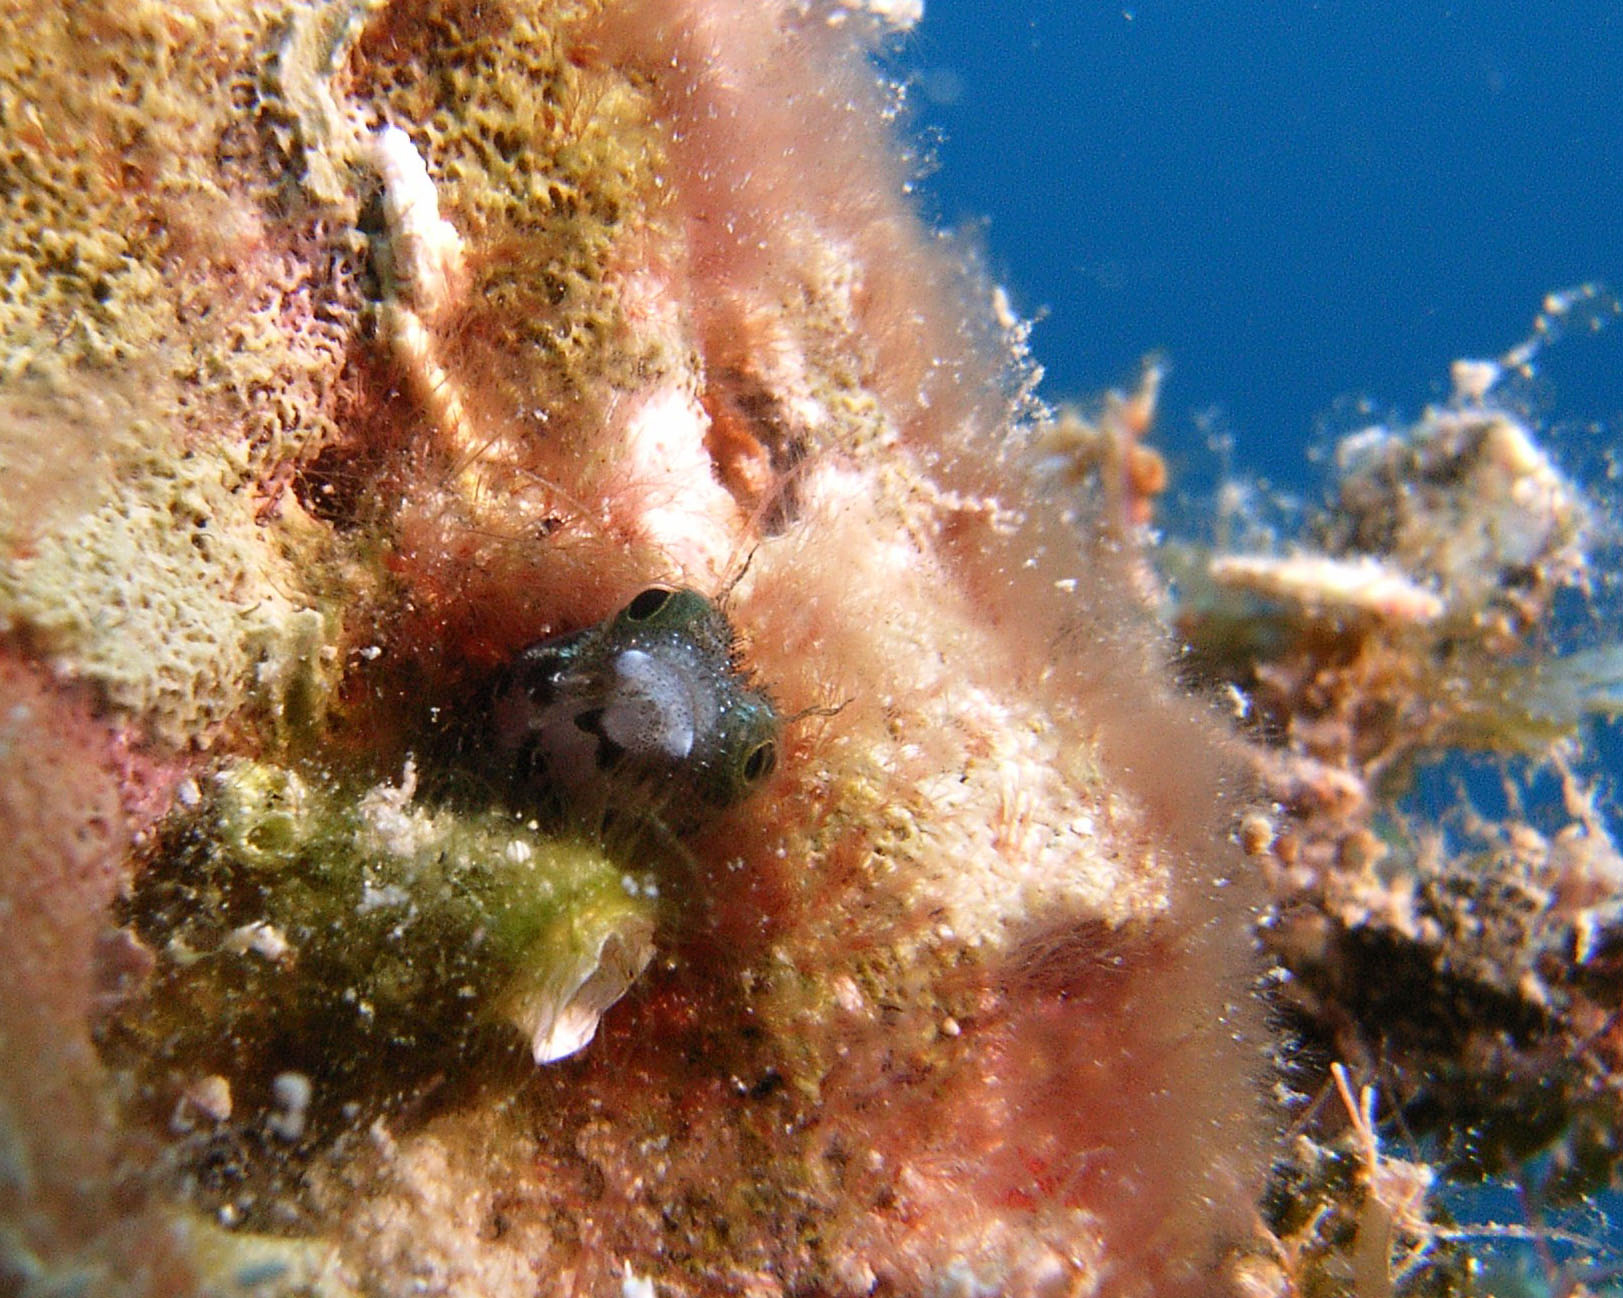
(403, 903)
(1465, 964)
(172, 344)
(395, 337)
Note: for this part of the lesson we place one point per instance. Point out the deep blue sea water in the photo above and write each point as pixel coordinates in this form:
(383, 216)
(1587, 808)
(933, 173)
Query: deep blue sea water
(1300, 204)
(1296, 201)
(1304, 206)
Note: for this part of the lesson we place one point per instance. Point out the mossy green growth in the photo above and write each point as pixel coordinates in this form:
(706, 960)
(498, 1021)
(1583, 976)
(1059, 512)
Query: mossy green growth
(364, 943)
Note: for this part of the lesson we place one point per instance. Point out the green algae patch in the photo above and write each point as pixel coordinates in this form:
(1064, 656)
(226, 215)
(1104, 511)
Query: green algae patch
(323, 952)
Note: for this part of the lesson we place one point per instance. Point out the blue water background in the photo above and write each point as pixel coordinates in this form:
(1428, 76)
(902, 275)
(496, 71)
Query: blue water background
(1295, 201)
(1310, 209)
(1300, 204)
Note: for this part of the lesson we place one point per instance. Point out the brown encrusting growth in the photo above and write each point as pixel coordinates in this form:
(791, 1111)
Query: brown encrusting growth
(1466, 968)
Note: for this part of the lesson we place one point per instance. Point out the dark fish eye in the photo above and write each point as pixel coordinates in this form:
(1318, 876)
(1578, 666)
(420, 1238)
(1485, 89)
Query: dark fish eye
(648, 603)
(761, 761)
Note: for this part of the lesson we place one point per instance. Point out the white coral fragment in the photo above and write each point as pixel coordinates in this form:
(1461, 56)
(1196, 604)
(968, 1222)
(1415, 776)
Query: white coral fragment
(891, 16)
(665, 483)
(633, 1285)
(319, 38)
(425, 251)
(291, 1095)
(261, 938)
(426, 274)
(391, 822)
(1326, 585)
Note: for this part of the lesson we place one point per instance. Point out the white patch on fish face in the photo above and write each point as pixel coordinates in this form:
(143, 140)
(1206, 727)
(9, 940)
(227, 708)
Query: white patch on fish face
(657, 705)
(644, 713)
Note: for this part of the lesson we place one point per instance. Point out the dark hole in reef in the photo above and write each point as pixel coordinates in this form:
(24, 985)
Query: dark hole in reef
(769, 1084)
(371, 222)
(346, 483)
(761, 762)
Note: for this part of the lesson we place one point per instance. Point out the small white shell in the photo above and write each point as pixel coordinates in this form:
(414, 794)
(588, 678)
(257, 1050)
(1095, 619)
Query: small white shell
(559, 1010)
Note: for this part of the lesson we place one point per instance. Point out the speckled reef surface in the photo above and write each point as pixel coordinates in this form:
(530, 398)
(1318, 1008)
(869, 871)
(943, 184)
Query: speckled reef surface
(571, 725)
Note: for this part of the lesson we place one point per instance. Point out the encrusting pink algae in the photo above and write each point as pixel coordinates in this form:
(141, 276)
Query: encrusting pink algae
(351, 348)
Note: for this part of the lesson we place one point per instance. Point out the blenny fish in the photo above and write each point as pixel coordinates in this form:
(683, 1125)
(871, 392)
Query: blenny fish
(646, 715)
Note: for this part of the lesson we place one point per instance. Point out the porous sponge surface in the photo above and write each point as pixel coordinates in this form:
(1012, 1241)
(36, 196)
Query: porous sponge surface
(146, 217)
(546, 162)
(187, 290)
(167, 594)
(173, 325)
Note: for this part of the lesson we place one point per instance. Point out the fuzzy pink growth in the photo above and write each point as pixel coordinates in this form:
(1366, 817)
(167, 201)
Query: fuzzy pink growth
(66, 837)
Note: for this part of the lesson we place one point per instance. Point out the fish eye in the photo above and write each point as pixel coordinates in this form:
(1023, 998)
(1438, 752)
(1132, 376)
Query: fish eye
(648, 603)
(762, 759)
